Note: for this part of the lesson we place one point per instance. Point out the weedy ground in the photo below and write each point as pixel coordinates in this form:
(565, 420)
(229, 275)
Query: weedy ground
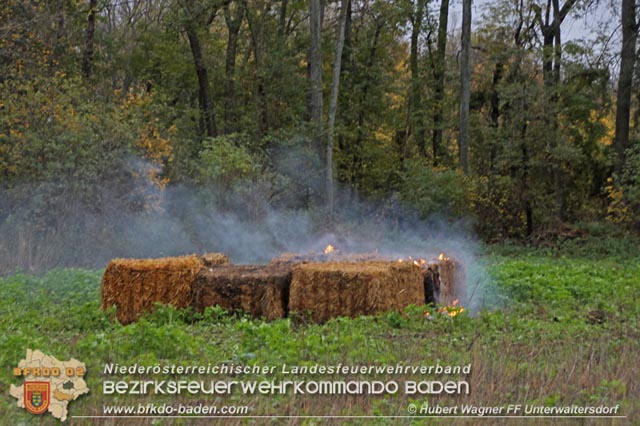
(561, 328)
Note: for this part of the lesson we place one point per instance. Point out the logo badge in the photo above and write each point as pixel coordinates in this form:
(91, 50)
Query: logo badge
(37, 396)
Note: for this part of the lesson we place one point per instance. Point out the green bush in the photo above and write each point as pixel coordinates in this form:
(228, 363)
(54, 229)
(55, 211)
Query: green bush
(226, 161)
(435, 191)
(631, 180)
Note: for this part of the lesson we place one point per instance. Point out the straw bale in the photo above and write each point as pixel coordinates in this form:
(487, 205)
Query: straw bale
(450, 281)
(331, 289)
(134, 285)
(214, 259)
(262, 291)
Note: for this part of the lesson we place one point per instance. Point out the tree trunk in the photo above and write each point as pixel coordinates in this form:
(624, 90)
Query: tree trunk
(465, 83)
(627, 63)
(495, 115)
(207, 117)
(333, 107)
(439, 70)
(528, 209)
(91, 29)
(357, 161)
(256, 28)
(315, 73)
(233, 26)
(557, 57)
(282, 23)
(559, 177)
(348, 48)
(344, 174)
(551, 45)
(415, 98)
(550, 28)
(59, 47)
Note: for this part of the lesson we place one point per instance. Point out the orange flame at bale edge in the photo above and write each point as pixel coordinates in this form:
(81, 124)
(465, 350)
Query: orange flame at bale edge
(451, 310)
(415, 262)
(329, 249)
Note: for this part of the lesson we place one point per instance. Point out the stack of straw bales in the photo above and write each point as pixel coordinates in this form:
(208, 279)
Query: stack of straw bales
(346, 286)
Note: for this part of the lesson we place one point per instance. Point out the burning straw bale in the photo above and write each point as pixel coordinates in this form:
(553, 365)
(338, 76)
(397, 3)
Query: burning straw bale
(332, 289)
(449, 280)
(262, 291)
(134, 285)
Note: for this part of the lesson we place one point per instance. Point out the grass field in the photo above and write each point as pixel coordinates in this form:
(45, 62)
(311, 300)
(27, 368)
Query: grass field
(563, 329)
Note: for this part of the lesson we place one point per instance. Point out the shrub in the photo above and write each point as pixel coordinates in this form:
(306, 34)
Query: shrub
(226, 161)
(435, 191)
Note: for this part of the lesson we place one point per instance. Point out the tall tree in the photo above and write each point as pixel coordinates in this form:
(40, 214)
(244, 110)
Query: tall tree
(233, 19)
(257, 12)
(282, 21)
(465, 83)
(333, 107)
(415, 113)
(207, 116)
(91, 29)
(362, 88)
(550, 28)
(494, 112)
(438, 74)
(315, 72)
(627, 63)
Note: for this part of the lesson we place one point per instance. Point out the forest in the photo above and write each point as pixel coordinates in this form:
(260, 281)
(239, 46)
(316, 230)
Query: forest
(487, 113)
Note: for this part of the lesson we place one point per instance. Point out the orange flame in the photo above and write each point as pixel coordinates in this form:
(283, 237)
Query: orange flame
(415, 262)
(452, 310)
(442, 256)
(329, 249)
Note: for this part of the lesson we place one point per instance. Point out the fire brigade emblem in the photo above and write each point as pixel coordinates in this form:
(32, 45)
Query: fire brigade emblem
(37, 396)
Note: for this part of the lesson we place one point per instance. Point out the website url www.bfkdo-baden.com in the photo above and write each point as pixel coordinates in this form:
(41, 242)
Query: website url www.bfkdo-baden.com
(159, 410)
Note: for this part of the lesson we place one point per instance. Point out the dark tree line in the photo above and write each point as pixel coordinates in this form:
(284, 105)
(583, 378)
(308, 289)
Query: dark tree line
(317, 103)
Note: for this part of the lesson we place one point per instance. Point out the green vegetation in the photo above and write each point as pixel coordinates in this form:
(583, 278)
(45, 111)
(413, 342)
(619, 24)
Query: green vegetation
(567, 331)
